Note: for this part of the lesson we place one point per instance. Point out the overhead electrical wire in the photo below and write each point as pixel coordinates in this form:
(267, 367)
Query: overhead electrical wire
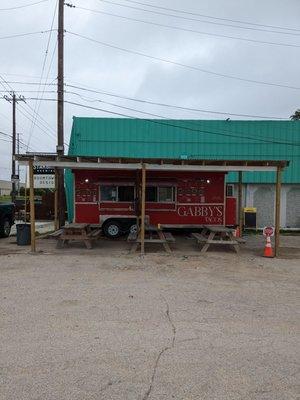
(222, 36)
(160, 104)
(10, 136)
(24, 34)
(198, 20)
(143, 101)
(23, 6)
(146, 101)
(21, 75)
(166, 122)
(30, 83)
(211, 17)
(38, 103)
(27, 114)
(29, 91)
(11, 89)
(229, 133)
(191, 67)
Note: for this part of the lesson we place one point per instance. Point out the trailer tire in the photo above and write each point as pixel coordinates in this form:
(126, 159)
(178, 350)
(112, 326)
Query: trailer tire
(112, 229)
(133, 228)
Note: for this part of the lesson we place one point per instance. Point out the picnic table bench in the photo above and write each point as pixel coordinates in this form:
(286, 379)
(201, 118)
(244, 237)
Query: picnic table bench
(219, 235)
(76, 232)
(153, 235)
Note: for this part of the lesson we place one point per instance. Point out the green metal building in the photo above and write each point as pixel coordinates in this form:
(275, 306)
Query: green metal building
(203, 139)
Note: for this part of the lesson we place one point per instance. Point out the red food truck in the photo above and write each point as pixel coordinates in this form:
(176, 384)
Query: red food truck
(181, 199)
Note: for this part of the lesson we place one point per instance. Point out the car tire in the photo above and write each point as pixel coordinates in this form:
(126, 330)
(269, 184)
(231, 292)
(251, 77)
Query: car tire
(112, 229)
(5, 227)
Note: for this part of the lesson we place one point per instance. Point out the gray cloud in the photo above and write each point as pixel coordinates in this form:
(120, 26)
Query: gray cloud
(108, 69)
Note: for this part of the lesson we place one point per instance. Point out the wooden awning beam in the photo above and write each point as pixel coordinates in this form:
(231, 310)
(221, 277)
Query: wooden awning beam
(150, 167)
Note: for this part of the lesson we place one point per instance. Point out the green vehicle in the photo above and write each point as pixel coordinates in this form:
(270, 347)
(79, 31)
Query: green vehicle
(7, 218)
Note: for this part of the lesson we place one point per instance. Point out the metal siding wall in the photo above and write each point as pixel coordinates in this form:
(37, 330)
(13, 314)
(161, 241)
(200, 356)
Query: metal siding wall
(142, 138)
(293, 207)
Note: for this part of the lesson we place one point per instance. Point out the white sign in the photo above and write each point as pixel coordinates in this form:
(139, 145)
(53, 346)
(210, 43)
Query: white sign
(44, 181)
(268, 231)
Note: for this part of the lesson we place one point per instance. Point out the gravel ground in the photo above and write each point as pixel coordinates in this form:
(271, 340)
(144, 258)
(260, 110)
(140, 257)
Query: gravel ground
(79, 324)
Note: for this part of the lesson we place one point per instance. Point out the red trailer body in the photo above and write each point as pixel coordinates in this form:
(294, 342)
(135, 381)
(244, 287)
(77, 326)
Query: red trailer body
(178, 199)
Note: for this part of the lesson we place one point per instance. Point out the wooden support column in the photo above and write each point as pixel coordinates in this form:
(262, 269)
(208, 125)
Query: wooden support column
(138, 200)
(277, 210)
(143, 209)
(32, 211)
(56, 221)
(240, 202)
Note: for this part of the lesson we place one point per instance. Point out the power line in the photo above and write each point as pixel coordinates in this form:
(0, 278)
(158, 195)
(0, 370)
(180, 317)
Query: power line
(11, 89)
(196, 20)
(21, 75)
(189, 30)
(42, 120)
(24, 34)
(21, 107)
(38, 103)
(10, 136)
(167, 123)
(163, 117)
(29, 83)
(191, 67)
(143, 101)
(212, 17)
(116, 105)
(29, 91)
(25, 5)
(4, 140)
(25, 110)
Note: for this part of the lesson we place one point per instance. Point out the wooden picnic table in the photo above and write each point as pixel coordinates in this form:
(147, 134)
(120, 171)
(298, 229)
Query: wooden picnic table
(77, 232)
(153, 235)
(219, 235)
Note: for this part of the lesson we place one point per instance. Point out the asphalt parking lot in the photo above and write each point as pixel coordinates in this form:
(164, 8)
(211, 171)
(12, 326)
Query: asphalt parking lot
(104, 324)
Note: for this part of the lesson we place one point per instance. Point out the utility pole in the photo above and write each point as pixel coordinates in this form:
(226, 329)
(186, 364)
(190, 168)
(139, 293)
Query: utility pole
(14, 100)
(60, 111)
(18, 152)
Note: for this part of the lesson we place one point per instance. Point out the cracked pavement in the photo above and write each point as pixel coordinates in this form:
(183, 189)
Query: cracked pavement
(79, 326)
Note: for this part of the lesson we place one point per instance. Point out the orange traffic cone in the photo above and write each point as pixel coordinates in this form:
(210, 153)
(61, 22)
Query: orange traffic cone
(268, 252)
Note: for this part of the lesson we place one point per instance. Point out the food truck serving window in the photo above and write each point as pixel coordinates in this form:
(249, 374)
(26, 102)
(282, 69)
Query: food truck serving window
(161, 194)
(125, 193)
(116, 193)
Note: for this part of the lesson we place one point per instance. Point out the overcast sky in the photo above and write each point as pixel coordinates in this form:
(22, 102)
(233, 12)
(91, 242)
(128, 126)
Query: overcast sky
(108, 69)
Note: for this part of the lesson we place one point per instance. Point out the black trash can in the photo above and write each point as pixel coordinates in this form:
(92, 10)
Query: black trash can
(23, 234)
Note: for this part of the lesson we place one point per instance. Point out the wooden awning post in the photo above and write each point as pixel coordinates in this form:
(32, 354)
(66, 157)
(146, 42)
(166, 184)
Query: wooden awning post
(56, 221)
(32, 210)
(240, 202)
(138, 201)
(143, 209)
(277, 210)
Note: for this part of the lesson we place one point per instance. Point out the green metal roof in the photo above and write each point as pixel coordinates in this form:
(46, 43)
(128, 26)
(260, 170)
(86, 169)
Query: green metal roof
(209, 139)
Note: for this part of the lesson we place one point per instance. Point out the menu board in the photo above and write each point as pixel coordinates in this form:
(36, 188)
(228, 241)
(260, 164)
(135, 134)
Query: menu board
(86, 195)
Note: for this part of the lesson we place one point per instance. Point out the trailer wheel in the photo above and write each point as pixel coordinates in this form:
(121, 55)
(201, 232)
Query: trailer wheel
(133, 228)
(112, 229)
